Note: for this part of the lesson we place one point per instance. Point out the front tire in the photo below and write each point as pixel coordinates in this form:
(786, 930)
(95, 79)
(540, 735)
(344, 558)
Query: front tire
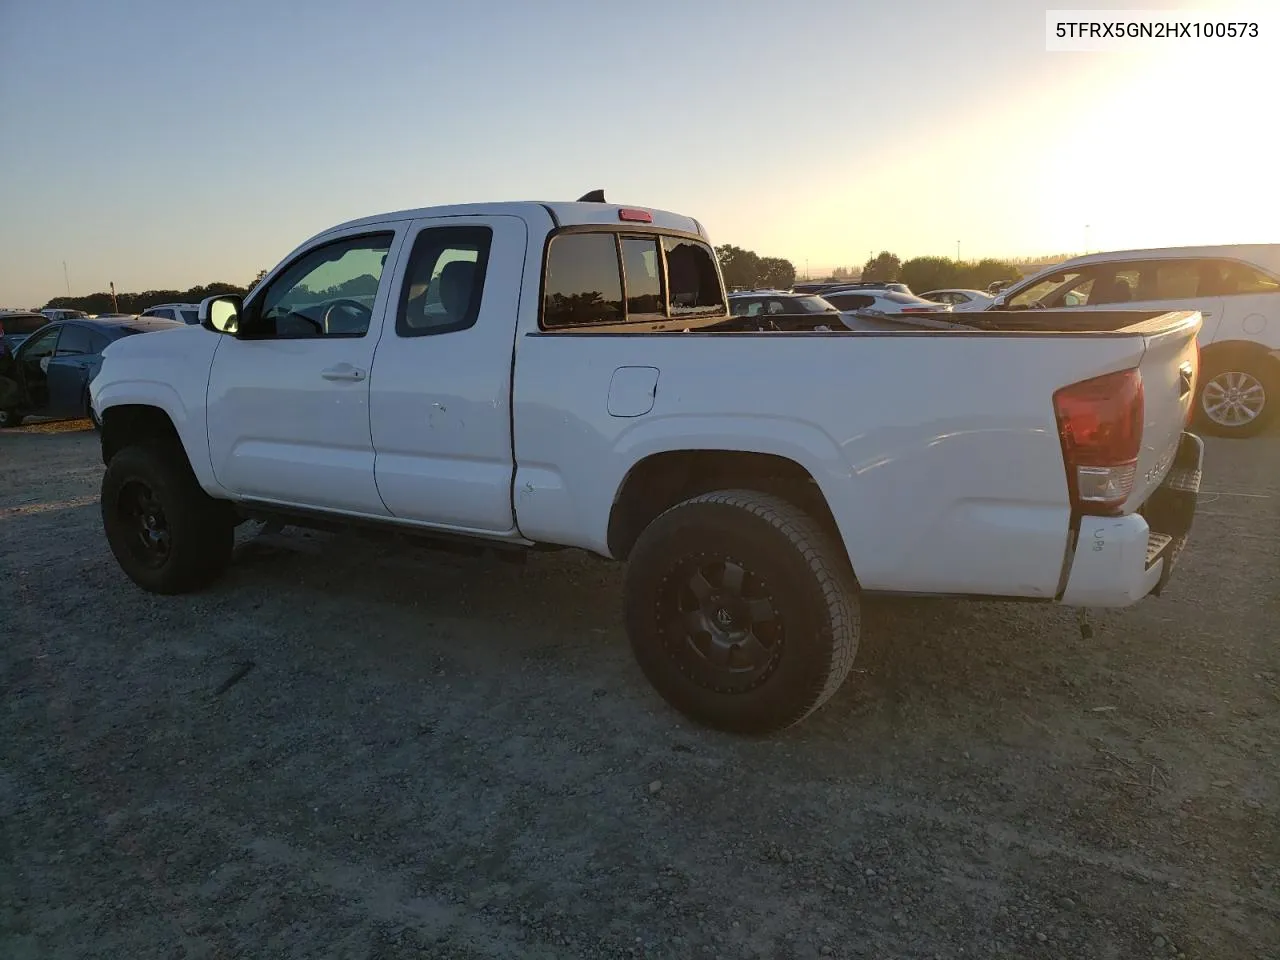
(1237, 397)
(742, 612)
(167, 534)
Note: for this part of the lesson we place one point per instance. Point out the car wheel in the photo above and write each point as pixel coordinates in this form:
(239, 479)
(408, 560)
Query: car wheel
(1236, 397)
(10, 418)
(741, 611)
(167, 534)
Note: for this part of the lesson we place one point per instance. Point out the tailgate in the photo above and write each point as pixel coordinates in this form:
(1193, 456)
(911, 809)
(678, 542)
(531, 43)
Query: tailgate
(1169, 368)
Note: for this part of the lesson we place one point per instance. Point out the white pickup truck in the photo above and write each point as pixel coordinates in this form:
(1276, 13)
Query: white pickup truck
(526, 376)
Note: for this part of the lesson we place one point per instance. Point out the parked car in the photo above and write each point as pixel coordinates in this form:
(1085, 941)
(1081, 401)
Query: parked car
(49, 375)
(188, 313)
(546, 375)
(1235, 288)
(832, 286)
(891, 286)
(16, 326)
(960, 299)
(53, 313)
(776, 303)
(874, 301)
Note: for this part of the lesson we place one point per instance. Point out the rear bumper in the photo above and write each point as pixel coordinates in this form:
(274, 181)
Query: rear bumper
(1120, 560)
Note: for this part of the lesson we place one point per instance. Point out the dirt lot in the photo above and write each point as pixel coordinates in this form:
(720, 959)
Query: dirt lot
(442, 757)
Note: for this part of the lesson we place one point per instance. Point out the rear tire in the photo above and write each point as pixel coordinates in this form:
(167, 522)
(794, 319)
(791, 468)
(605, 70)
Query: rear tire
(167, 534)
(10, 418)
(742, 612)
(1237, 396)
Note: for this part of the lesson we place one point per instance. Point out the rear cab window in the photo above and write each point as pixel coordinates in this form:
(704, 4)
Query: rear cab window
(614, 278)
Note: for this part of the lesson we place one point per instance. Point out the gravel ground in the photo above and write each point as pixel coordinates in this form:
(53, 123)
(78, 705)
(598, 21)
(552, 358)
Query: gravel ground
(357, 751)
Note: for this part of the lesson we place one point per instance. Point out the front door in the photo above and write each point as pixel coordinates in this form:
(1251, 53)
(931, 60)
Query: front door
(441, 386)
(69, 370)
(288, 399)
(34, 358)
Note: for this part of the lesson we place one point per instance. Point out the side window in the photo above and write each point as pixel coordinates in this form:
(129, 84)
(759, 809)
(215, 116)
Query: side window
(1171, 280)
(40, 345)
(1118, 284)
(642, 274)
(328, 292)
(584, 283)
(1238, 278)
(692, 280)
(75, 342)
(444, 281)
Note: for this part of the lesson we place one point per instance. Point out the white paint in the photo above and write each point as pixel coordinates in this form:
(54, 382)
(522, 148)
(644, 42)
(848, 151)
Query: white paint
(937, 453)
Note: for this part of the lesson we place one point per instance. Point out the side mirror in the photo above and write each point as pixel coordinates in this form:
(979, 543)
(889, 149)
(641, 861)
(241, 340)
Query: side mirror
(999, 302)
(221, 314)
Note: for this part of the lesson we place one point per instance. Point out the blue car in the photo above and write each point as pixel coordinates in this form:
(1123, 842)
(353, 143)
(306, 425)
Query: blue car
(48, 375)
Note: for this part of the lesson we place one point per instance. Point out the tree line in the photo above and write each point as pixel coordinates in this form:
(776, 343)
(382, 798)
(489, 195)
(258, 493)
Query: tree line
(137, 302)
(923, 274)
(742, 269)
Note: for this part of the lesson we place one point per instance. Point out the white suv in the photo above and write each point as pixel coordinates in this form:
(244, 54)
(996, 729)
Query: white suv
(188, 313)
(1237, 290)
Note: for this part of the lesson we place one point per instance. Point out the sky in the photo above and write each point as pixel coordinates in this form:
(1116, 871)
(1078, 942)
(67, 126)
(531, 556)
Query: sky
(167, 144)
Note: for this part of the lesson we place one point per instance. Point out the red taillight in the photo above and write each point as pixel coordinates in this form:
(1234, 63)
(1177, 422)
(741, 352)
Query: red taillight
(918, 310)
(1100, 426)
(638, 216)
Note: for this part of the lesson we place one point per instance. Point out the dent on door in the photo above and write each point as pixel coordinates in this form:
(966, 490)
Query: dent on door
(632, 391)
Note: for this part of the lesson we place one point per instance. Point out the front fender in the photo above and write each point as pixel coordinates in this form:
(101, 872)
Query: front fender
(188, 421)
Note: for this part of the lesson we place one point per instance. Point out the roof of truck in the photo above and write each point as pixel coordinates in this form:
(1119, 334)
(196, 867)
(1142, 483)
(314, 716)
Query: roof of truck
(566, 214)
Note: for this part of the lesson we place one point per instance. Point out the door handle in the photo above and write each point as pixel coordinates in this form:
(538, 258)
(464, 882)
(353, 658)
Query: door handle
(342, 372)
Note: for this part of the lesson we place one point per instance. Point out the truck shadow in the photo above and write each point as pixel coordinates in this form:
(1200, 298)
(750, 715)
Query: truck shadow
(934, 656)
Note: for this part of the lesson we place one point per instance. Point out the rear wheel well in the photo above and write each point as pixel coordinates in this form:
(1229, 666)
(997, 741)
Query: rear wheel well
(132, 424)
(661, 481)
(1240, 351)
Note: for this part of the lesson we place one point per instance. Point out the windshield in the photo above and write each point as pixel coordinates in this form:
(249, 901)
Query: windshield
(813, 305)
(1041, 290)
(894, 297)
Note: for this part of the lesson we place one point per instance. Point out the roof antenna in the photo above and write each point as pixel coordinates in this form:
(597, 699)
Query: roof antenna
(595, 196)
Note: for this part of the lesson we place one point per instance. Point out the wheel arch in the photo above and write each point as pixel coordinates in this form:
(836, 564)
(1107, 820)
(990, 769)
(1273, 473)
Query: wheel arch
(662, 479)
(1241, 351)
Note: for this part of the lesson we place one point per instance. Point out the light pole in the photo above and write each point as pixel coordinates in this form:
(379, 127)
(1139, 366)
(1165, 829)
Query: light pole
(66, 277)
(1086, 238)
(957, 251)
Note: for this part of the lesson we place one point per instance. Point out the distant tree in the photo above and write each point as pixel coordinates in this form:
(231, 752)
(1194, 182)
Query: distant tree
(922, 274)
(884, 268)
(980, 275)
(840, 273)
(777, 273)
(257, 279)
(739, 267)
